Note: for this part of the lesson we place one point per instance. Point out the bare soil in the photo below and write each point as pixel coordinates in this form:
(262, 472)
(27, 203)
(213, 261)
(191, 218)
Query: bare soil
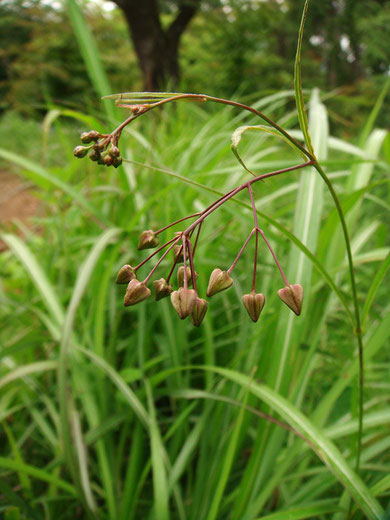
(17, 202)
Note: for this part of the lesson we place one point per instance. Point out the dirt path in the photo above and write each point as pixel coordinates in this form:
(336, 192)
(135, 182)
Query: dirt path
(17, 202)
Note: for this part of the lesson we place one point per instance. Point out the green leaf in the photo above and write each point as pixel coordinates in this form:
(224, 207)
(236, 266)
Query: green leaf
(37, 274)
(302, 116)
(314, 510)
(39, 474)
(90, 54)
(237, 135)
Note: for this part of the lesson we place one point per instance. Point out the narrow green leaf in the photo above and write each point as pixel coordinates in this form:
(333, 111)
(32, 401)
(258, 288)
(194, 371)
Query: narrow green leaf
(25, 370)
(37, 274)
(160, 482)
(39, 474)
(322, 507)
(302, 116)
(381, 273)
(237, 135)
(90, 54)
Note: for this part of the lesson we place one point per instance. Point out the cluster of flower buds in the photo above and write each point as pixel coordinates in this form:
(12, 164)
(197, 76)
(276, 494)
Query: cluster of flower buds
(101, 148)
(185, 299)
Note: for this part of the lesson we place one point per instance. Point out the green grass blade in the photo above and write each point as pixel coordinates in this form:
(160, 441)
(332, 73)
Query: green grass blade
(322, 507)
(37, 274)
(90, 55)
(381, 273)
(302, 116)
(39, 474)
(160, 481)
(25, 370)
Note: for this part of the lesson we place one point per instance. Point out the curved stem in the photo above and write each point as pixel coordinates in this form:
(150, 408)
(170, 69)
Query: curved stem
(204, 97)
(358, 329)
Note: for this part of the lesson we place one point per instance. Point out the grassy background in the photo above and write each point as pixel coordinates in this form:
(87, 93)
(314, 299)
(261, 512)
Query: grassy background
(130, 413)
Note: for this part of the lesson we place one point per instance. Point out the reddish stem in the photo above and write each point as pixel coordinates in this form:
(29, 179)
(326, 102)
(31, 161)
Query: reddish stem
(231, 194)
(158, 263)
(274, 256)
(155, 252)
(185, 281)
(191, 260)
(176, 222)
(241, 251)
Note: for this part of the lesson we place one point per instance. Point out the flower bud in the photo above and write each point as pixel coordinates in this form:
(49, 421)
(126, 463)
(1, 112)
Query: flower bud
(94, 135)
(178, 253)
(183, 301)
(219, 281)
(136, 292)
(180, 276)
(125, 274)
(99, 146)
(108, 160)
(162, 289)
(85, 138)
(199, 311)
(80, 151)
(117, 161)
(253, 303)
(94, 155)
(103, 155)
(114, 151)
(292, 296)
(147, 240)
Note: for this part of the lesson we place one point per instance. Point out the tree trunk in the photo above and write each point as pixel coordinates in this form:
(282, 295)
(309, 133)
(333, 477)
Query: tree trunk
(157, 49)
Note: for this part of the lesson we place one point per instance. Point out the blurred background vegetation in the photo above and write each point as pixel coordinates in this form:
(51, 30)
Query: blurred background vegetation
(99, 419)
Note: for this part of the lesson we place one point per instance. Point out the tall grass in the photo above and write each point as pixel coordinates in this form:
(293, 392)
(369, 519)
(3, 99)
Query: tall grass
(126, 414)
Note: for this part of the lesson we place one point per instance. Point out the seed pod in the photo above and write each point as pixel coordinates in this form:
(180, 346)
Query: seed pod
(94, 155)
(125, 274)
(253, 303)
(80, 151)
(183, 301)
(147, 240)
(292, 296)
(219, 281)
(180, 276)
(199, 311)
(162, 289)
(136, 292)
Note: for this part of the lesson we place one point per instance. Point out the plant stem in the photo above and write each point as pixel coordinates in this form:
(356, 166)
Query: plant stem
(358, 329)
(203, 97)
(191, 261)
(234, 192)
(241, 251)
(274, 257)
(185, 281)
(155, 252)
(176, 222)
(159, 262)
